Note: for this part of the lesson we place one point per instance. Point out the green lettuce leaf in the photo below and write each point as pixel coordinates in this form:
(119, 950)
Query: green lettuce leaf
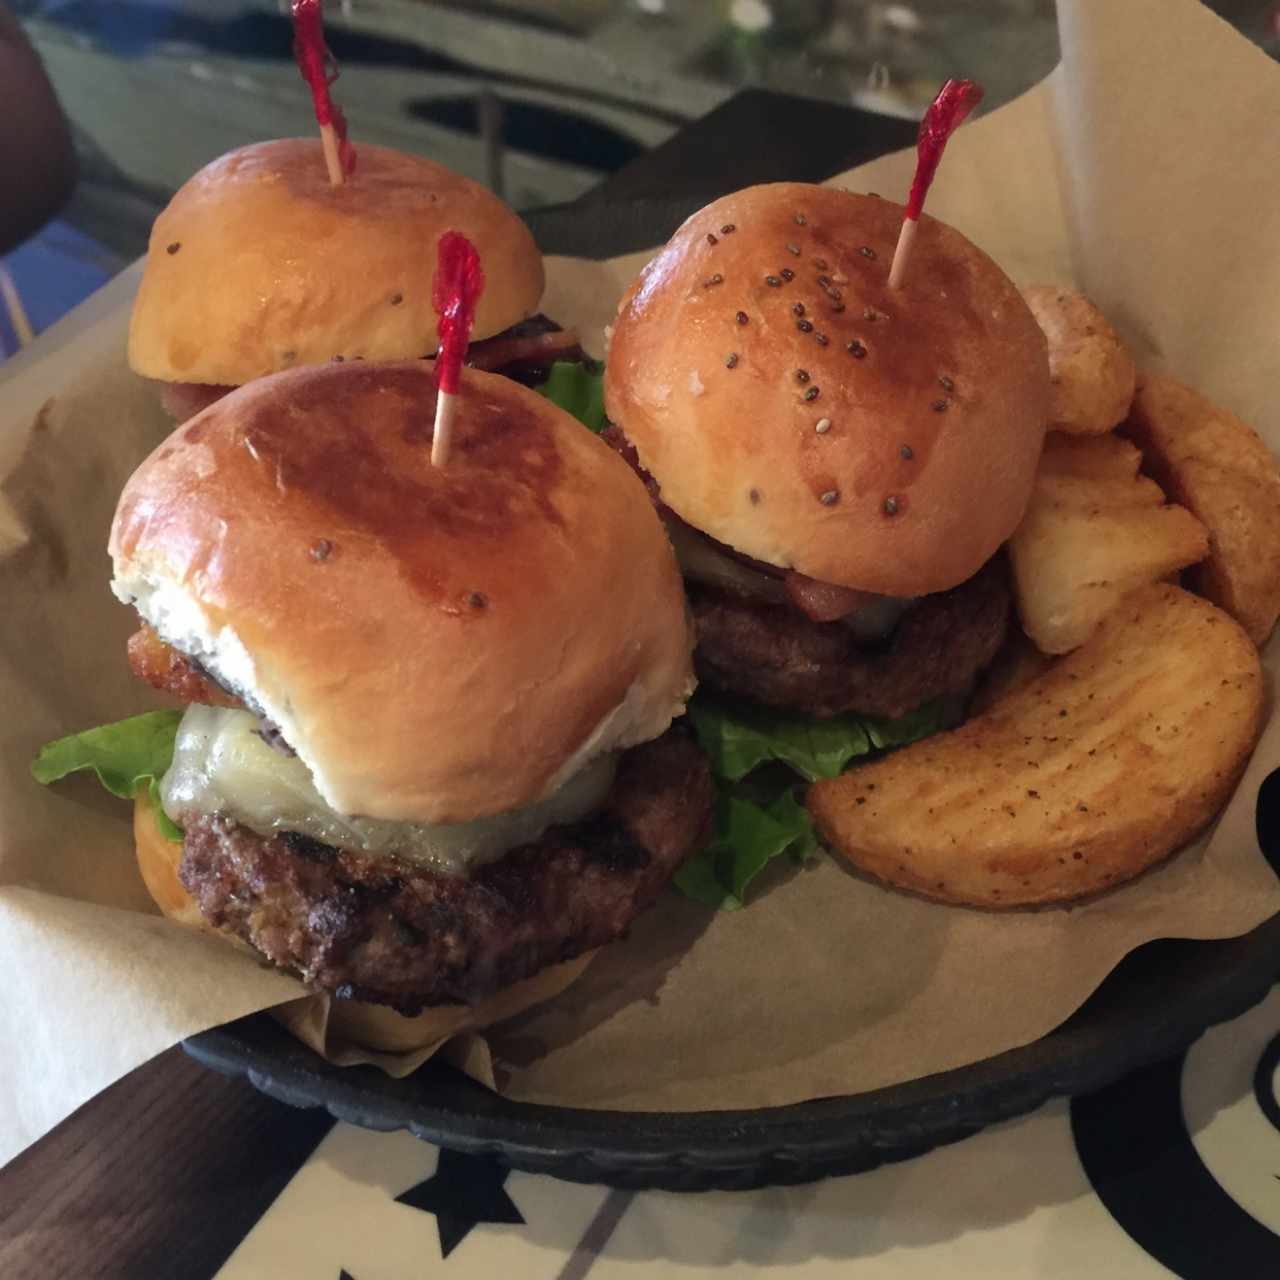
(129, 757)
(748, 836)
(740, 739)
(578, 388)
(759, 818)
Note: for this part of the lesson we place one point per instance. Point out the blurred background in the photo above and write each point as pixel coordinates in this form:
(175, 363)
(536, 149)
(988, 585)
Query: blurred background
(540, 99)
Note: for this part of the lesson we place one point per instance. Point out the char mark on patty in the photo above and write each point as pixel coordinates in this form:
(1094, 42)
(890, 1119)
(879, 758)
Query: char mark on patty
(383, 930)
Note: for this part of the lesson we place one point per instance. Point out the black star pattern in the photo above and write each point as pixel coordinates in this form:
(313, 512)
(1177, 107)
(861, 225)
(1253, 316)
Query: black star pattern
(463, 1192)
(344, 1274)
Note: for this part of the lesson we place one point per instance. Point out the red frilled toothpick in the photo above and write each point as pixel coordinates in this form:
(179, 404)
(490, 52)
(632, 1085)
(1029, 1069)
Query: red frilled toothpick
(454, 293)
(946, 113)
(319, 70)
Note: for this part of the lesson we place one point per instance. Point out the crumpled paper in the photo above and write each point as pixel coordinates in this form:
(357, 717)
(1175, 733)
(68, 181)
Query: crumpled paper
(1160, 202)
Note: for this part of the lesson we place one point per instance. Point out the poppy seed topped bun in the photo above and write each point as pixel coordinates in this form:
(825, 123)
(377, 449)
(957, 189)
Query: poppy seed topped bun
(259, 264)
(437, 644)
(794, 407)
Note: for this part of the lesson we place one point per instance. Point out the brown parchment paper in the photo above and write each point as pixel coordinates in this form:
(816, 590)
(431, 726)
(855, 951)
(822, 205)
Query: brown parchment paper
(1144, 169)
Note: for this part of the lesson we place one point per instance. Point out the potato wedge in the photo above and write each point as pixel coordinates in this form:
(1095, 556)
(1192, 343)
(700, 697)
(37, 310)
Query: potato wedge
(1218, 466)
(1094, 531)
(1116, 756)
(1091, 370)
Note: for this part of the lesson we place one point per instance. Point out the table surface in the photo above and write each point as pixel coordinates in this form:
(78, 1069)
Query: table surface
(177, 1172)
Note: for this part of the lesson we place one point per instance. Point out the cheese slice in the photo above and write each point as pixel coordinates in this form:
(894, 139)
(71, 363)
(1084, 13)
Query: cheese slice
(221, 764)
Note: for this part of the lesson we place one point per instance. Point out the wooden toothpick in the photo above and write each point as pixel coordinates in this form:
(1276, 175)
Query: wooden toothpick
(319, 70)
(457, 287)
(946, 112)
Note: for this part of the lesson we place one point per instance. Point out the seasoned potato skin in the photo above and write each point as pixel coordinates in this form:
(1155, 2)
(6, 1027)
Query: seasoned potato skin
(1073, 783)
(1091, 371)
(1218, 467)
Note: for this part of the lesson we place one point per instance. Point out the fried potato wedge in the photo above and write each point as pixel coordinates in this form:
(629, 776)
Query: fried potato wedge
(1091, 370)
(1218, 466)
(1076, 782)
(1094, 531)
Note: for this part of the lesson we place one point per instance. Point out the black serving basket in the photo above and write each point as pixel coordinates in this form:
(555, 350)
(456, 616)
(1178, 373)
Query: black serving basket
(1155, 1003)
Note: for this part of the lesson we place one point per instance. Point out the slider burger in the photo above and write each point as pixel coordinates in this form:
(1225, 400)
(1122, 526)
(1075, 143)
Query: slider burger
(838, 462)
(258, 264)
(428, 751)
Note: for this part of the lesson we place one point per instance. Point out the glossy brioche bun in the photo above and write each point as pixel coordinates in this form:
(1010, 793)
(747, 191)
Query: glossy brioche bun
(369, 1026)
(720, 380)
(437, 644)
(258, 264)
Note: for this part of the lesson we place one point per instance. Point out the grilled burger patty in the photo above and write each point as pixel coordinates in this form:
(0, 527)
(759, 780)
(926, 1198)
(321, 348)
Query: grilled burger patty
(379, 930)
(774, 655)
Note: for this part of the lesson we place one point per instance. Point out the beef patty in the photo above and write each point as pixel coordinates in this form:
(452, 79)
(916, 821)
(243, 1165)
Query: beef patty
(774, 655)
(383, 930)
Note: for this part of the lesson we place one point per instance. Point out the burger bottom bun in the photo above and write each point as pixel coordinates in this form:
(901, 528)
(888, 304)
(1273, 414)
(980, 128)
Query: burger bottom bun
(345, 1032)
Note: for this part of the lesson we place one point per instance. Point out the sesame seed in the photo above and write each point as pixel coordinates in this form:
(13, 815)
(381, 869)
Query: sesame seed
(321, 550)
(820, 263)
(805, 326)
(478, 600)
(798, 308)
(711, 238)
(824, 282)
(742, 317)
(713, 280)
(788, 274)
(830, 498)
(728, 229)
(794, 248)
(855, 349)
(906, 452)
(939, 406)
(753, 495)
(891, 506)
(800, 219)
(772, 281)
(397, 299)
(867, 251)
(337, 359)
(731, 360)
(822, 426)
(946, 384)
(837, 306)
(802, 375)
(812, 393)
(174, 247)
(820, 339)
(288, 356)
(871, 315)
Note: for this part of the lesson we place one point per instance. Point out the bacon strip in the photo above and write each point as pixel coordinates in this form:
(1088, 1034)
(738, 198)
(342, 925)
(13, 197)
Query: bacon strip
(823, 601)
(538, 348)
(163, 667)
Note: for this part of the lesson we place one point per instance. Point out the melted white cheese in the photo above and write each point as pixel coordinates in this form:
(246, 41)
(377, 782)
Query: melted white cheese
(222, 765)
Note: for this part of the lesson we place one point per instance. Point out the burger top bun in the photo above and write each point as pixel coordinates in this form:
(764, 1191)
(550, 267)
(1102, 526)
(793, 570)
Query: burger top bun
(791, 405)
(259, 264)
(436, 644)
(345, 1022)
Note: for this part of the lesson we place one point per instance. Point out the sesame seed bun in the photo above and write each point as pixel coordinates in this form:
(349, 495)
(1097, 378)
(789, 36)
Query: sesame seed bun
(436, 644)
(793, 406)
(258, 264)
